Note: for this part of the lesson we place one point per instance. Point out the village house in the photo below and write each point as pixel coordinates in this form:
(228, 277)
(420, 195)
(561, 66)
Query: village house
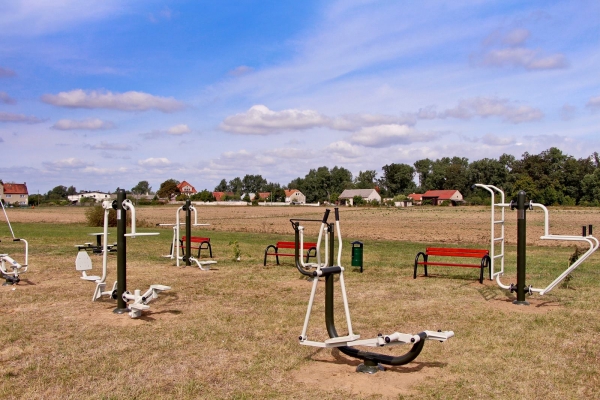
(15, 193)
(416, 198)
(97, 196)
(294, 196)
(367, 195)
(437, 197)
(220, 195)
(185, 188)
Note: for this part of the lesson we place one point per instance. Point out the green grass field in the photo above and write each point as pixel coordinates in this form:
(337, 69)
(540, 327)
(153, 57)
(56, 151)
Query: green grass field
(232, 332)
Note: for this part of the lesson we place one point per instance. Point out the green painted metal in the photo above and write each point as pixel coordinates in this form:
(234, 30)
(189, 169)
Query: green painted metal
(521, 248)
(121, 252)
(357, 255)
(188, 232)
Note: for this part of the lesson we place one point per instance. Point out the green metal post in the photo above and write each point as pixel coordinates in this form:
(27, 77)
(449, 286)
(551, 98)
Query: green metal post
(521, 249)
(121, 252)
(188, 232)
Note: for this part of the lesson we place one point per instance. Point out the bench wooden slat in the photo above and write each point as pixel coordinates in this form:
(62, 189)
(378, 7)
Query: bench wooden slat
(201, 246)
(453, 252)
(310, 247)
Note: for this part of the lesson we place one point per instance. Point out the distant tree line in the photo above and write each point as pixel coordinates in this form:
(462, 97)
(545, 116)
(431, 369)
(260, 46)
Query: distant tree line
(550, 178)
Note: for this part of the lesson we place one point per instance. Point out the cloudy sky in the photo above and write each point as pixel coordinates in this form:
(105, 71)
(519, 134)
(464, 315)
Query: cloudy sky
(101, 94)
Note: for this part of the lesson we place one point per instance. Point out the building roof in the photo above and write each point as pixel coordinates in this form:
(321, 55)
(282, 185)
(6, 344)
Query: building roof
(350, 193)
(15, 188)
(219, 195)
(415, 196)
(439, 194)
(264, 195)
(184, 184)
(290, 192)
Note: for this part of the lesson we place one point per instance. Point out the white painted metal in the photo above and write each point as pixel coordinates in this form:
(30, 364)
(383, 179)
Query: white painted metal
(7, 262)
(353, 339)
(140, 301)
(589, 239)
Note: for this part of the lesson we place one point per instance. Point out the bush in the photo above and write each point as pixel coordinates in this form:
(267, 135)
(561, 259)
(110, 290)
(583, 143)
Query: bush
(95, 217)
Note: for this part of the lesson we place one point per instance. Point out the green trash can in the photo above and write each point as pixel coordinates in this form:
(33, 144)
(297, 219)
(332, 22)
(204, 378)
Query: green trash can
(357, 254)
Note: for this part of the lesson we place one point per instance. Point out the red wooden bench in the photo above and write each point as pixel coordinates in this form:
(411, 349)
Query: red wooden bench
(484, 255)
(311, 250)
(202, 244)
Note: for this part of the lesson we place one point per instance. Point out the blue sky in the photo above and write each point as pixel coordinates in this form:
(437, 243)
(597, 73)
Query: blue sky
(103, 94)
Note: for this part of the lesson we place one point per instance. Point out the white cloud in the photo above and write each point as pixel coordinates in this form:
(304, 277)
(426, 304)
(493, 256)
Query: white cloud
(111, 146)
(241, 70)
(387, 135)
(494, 140)
(594, 103)
(351, 122)
(6, 99)
(344, 149)
(7, 73)
(66, 163)
(517, 55)
(179, 129)
(567, 112)
(155, 162)
(91, 124)
(492, 107)
(11, 117)
(516, 37)
(128, 101)
(38, 17)
(259, 120)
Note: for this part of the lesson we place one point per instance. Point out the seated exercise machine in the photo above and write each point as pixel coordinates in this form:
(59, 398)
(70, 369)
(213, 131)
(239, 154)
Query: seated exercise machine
(371, 361)
(83, 262)
(9, 268)
(131, 303)
(175, 247)
(497, 220)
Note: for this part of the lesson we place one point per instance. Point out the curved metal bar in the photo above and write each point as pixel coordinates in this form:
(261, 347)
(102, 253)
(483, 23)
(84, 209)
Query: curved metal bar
(365, 355)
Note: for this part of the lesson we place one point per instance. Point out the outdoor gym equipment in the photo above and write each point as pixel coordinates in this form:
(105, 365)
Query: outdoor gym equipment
(140, 303)
(83, 262)
(371, 361)
(9, 268)
(175, 247)
(521, 205)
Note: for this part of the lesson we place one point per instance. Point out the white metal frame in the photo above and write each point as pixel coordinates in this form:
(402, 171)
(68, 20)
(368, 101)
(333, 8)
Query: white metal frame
(83, 262)
(353, 339)
(8, 265)
(175, 249)
(589, 239)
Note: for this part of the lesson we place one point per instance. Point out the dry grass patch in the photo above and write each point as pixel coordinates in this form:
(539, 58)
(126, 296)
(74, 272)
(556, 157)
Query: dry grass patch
(232, 332)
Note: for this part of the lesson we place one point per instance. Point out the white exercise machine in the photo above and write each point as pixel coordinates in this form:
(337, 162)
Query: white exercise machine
(497, 241)
(324, 270)
(10, 269)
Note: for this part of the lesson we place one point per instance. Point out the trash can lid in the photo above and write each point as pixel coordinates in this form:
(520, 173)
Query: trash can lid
(356, 242)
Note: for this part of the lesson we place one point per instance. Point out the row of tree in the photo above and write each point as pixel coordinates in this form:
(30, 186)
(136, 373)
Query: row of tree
(550, 177)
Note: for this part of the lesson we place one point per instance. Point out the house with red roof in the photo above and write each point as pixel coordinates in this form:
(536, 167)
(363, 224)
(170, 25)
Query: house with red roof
(294, 196)
(15, 193)
(185, 188)
(437, 197)
(219, 195)
(416, 198)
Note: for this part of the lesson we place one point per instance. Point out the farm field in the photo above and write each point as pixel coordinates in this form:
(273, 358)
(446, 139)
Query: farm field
(231, 332)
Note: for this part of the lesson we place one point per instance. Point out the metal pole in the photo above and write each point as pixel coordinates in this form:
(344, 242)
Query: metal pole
(521, 249)
(121, 252)
(188, 232)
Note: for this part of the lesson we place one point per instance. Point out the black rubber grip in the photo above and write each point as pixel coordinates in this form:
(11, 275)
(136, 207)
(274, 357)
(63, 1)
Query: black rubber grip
(328, 271)
(16, 240)
(326, 215)
(337, 214)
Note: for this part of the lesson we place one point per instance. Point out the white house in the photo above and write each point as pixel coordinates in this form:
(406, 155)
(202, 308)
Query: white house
(15, 193)
(294, 196)
(97, 196)
(367, 195)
